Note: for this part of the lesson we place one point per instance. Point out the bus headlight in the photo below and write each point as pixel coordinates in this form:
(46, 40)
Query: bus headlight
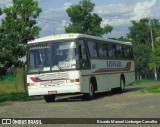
(73, 80)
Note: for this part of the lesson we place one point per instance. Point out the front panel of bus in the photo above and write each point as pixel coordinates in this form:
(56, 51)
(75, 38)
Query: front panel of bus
(53, 68)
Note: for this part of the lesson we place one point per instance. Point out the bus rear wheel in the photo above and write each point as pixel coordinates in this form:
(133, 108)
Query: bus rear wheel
(122, 85)
(91, 94)
(121, 88)
(49, 98)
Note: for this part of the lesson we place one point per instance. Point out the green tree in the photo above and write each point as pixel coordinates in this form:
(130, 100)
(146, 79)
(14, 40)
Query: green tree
(83, 20)
(1, 11)
(18, 27)
(155, 63)
(142, 53)
(140, 33)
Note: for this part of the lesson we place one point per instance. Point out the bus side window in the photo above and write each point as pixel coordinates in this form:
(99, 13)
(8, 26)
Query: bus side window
(131, 53)
(119, 51)
(126, 50)
(102, 50)
(92, 48)
(111, 50)
(82, 54)
(82, 50)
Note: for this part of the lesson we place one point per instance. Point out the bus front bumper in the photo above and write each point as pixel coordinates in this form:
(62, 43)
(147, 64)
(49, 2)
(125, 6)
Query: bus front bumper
(54, 90)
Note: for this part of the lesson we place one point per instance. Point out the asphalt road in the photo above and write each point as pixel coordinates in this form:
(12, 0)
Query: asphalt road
(130, 104)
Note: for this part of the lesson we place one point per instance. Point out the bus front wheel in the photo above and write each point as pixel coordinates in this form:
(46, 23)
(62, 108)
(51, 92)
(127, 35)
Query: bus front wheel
(49, 98)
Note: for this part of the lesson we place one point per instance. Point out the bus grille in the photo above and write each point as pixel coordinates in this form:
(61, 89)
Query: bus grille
(54, 76)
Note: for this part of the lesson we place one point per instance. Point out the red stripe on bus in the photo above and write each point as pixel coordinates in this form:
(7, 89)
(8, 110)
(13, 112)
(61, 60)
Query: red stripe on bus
(53, 80)
(114, 70)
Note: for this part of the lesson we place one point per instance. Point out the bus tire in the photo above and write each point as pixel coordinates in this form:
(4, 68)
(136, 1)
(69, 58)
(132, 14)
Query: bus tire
(49, 98)
(121, 88)
(91, 94)
(122, 85)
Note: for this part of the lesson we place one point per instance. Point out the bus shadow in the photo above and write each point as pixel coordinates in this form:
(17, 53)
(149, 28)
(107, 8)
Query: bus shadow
(70, 99)
(133, 89)
(99, 95)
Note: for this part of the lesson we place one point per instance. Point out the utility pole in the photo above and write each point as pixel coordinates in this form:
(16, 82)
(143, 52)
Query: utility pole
(152, 43)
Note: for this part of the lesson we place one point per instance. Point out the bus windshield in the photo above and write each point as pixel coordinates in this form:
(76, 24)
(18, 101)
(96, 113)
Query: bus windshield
(56, 56)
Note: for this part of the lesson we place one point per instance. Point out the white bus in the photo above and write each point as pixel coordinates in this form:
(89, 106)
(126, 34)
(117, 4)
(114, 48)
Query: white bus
(78, 63)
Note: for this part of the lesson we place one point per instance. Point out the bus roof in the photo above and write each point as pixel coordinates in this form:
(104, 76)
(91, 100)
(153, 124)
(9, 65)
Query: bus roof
(74, 36)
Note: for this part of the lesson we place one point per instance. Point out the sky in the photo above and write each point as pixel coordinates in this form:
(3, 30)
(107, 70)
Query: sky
(117, 13)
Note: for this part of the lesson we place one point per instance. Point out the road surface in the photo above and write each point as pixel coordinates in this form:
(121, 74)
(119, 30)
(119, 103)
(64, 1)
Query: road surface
(130, 104)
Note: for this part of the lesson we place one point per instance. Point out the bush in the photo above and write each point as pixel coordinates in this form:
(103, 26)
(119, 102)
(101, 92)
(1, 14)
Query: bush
(2, 72)
(13, 83)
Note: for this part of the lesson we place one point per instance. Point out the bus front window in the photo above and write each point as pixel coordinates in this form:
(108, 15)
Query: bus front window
(39, 58)
(64, 55)
(52, 57)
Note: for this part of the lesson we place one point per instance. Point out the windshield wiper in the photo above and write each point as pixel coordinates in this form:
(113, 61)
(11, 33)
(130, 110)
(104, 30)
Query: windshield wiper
(59, 68)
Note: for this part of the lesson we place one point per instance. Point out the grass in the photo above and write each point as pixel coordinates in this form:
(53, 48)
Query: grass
(152, 89)
(9, 85)
(13, 83)
(23, 96)
(5, 103)
(12, 88)
(143, 82)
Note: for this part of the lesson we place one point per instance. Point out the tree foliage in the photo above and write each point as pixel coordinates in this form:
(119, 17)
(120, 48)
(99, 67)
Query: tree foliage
(1, 11)
(142, 53)
(18, 27)
(83, 20)
(140, 33)
(155, 63)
